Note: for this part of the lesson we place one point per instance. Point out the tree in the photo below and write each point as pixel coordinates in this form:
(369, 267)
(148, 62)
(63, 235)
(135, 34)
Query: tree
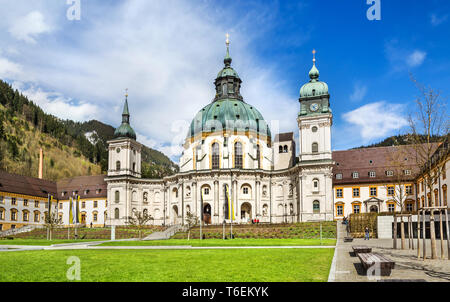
(51, 222)
(139, 220)
(191, 221)
(429, 120)
(397, 160)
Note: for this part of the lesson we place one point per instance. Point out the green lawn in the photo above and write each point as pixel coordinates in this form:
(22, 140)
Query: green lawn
(221, 242)
(224, 265)
(42, 241)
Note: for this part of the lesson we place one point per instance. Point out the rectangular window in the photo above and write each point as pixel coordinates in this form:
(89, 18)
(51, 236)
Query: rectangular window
(2, 199)
(60, 205)
(95, 217)
(373, 191)
(356, 209)
(36, 204)
(13, 201)
(83, 205)
(339, 210)
(339, 176)
(390, 173)
(339, 193)
(245, 190)
(391, 207)
(206, 191)
(372, 174)
(95, 203)
(408, 189)
(355, 175)
(355, 192)
(25, 202)
(407, 172)
(409, 207)
(390, 191)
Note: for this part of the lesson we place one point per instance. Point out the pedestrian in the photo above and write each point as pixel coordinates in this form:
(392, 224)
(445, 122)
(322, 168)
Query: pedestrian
(367, 233)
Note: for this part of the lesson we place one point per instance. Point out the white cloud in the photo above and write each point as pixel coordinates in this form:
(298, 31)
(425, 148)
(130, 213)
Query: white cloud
(55, 103)
(416, 58)
(436, 20)
(169, 67)
(9, 69)
(375, 120)
(28, 27)
(359, 92)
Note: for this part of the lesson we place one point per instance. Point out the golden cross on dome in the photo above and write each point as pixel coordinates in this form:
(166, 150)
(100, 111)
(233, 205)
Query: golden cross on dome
(314, 55)
(126, 92)
(228, 39)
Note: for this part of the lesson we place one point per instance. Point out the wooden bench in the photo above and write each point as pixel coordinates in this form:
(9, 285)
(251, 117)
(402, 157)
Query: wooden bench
(361, 249)
(370, 259)
(348, 239)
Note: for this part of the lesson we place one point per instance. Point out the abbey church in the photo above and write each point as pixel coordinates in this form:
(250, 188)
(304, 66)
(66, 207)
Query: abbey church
(231, 167)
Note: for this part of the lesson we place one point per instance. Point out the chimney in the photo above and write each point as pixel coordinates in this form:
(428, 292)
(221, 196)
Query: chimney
(41, 163)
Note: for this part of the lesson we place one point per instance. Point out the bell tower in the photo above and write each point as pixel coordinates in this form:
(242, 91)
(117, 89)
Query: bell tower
(315, 118)
(124, 150)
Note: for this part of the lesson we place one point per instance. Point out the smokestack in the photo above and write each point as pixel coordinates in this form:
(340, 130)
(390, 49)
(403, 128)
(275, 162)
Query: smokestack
(41, 163)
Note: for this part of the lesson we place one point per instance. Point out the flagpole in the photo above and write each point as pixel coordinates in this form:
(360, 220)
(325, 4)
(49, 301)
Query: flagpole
(201, 213)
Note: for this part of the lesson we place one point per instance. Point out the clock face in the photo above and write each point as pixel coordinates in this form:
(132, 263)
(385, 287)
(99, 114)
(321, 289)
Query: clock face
(314, 107)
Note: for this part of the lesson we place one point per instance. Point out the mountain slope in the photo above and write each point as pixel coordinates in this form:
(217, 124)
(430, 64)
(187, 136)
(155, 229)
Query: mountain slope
(24, 124)
(399, 140)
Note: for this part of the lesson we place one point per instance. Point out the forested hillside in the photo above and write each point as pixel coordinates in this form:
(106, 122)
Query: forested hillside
(71, 148)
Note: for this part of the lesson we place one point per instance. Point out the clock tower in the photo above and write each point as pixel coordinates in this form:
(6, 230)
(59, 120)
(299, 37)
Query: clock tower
(315, 118)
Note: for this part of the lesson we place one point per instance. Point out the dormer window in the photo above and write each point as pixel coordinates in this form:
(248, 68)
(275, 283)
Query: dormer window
(355, 175)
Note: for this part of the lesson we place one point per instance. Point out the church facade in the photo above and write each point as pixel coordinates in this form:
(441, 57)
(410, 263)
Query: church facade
(231, 169)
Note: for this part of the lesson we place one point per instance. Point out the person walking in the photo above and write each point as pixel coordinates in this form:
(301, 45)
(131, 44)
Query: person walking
(367, 234)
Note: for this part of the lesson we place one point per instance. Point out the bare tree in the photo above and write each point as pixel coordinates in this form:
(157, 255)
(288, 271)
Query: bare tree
(427, 123)
(51, 222)
(139, 220)
(191, 221)
(401, 169)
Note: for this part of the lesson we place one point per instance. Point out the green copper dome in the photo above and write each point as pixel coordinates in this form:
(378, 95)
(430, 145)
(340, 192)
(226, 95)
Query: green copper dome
(314, 87)
(125, 130)
(229, 115)
(228, 111)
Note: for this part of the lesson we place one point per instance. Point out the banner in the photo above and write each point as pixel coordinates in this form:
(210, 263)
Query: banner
(71, 211)
(229, 203)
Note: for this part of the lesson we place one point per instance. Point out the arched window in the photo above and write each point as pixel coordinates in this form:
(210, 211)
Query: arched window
(26, 215)
(2, 214)
(116, 213)
(118, 165)
(134, 196)
(280, 149)
(134, 167)
(238, 155)
(37, 216)
(13, 214)
(188, 209)
(117, 196)
(316, 206)
(215, 156)
(444, 195)
(258, 156)
(315, 148)
(285, 149)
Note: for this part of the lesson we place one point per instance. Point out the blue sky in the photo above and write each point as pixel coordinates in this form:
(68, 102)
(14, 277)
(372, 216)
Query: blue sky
(168, 53)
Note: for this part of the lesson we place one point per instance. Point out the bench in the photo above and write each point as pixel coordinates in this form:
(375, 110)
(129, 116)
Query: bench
(348, 239)
(370, 259)
(361, 249)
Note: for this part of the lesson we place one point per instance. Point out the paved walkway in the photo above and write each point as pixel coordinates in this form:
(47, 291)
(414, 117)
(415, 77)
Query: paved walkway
(348, 268)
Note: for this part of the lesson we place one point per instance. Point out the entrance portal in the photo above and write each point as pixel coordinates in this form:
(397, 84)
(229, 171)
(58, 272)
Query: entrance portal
(373, 209)
(207, 213)
(174, 214)
(246, 212)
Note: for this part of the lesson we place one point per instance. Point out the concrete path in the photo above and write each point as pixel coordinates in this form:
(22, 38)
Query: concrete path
(166, 234)
(348, 268)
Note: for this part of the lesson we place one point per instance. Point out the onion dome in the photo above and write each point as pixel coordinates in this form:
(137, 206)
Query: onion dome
(314, 87)
(125, 130)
